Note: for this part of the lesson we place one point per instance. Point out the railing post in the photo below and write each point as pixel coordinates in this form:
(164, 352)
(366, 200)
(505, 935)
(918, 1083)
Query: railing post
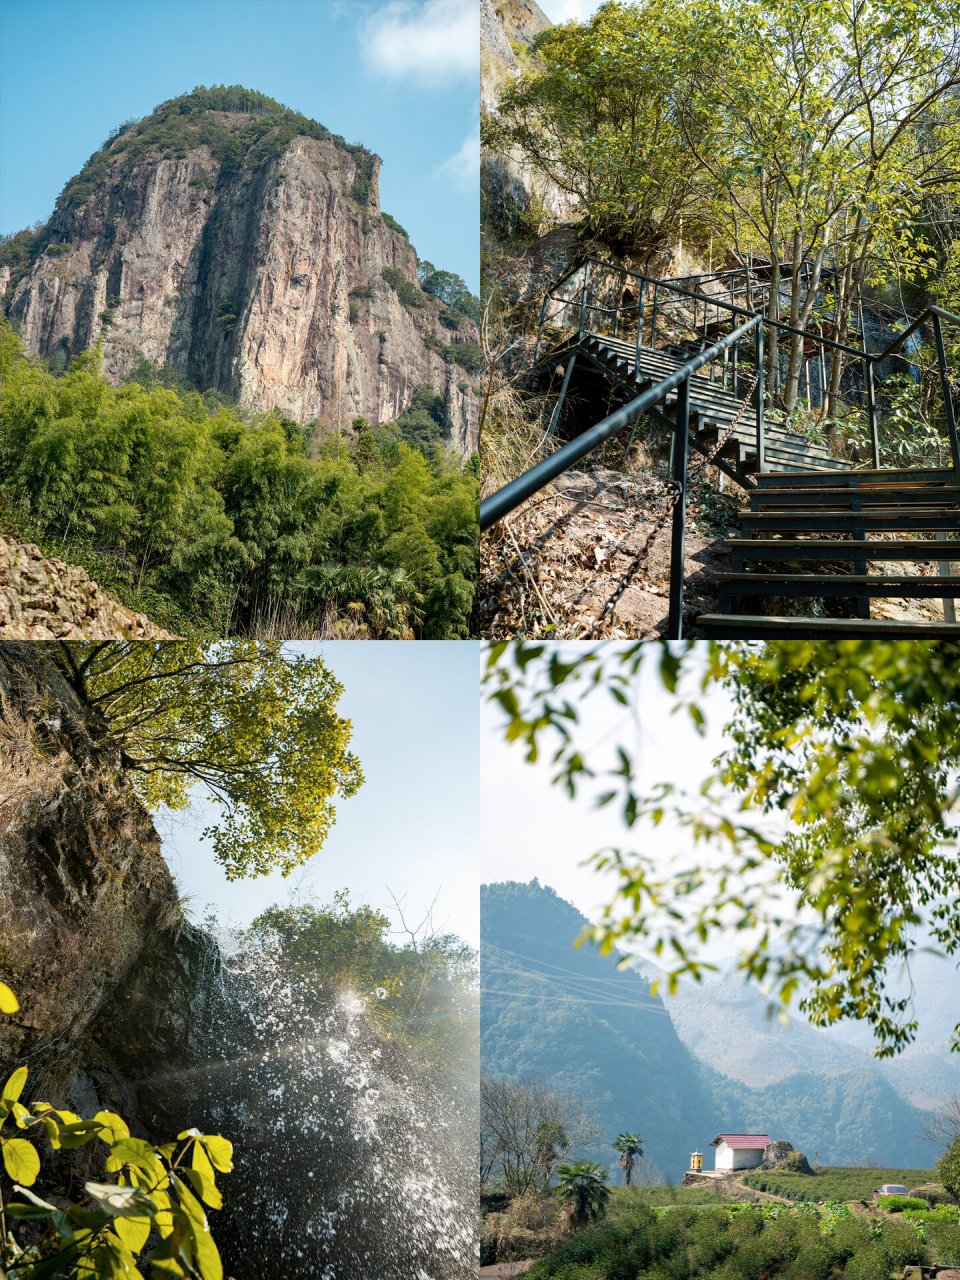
(653, 323)
(583, 299)
(616, 310)
(681, 449)
(736, 383)
(947, 396)
(640, 310)
(872, 412)
(558, 407)
(543, 316)
(760, 393)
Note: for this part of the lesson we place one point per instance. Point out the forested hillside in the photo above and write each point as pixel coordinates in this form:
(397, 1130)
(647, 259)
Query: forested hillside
(211, 520)
(571, 1018)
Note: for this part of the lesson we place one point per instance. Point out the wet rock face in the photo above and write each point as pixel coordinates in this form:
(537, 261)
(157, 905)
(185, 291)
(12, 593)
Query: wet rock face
(265, 284)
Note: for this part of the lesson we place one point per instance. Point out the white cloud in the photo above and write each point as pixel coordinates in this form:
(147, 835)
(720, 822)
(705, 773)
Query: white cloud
(463, 167)
(566, 10)
(429, 41)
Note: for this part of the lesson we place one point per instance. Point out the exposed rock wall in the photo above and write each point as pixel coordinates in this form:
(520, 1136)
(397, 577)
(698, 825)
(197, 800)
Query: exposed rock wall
(266, 284)
(510, 190)
(83, 884)
(42, 599)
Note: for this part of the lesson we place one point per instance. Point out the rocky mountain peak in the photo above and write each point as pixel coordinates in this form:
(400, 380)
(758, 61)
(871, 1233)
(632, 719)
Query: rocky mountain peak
(242, 246)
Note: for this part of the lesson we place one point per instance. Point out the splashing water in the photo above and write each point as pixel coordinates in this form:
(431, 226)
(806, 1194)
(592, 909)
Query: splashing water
(353, 1158)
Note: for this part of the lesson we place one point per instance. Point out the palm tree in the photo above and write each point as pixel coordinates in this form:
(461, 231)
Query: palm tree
(584, 1186)
(630, 1146)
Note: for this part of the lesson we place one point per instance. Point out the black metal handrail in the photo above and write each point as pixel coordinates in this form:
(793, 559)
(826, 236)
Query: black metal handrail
(538, 477)
(933, 315)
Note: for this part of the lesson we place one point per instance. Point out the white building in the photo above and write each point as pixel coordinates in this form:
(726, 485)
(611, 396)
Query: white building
(739, 1150)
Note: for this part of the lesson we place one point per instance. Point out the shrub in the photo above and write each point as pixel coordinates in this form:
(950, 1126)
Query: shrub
(941, 1213)
(394, 225)
(409, 294)
(897, 1204)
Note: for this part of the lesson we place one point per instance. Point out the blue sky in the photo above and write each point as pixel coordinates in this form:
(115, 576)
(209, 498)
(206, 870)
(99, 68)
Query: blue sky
(399, 76)
(414, 826)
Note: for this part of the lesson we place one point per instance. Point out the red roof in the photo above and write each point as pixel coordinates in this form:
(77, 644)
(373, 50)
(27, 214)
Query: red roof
(743, 1141)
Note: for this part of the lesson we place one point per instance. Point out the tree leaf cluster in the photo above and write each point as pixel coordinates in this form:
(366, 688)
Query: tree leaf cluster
(255, 727)
(854, 744)
(153, 1193)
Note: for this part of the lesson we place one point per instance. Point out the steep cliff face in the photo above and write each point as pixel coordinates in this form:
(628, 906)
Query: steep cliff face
(85, 895)
(247, 256)
(515, 198)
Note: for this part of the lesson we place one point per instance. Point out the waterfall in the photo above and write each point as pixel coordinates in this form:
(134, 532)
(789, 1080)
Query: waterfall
(354, 1157)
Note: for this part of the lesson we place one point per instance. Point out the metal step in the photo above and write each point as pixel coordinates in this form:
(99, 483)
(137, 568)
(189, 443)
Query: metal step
(744, 549)
(750, 627)
(877, 520)
(856, 586)
(860, 478)
(940, 498)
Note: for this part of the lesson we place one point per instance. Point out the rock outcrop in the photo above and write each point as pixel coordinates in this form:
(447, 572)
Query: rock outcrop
(247, 253)
(514, 196)
(781, 1155)
(43, 599)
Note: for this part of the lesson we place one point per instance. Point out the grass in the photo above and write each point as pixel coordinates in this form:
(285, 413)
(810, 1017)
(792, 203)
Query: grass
(834, 1183)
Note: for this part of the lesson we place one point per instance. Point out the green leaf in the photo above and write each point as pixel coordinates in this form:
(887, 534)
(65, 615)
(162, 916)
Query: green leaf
(14, 1087)
(220, 1151)
(112, 1127)
(8, 1001)
(120, 1202)
(134, 1232)
(78, 1134)
(206, 1257)
(20, 1160)
(205, 1187)
(34, 1208)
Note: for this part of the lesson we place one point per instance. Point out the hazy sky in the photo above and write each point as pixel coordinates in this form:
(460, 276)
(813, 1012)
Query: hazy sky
(399, 76)
(532, 829)
(569, 10)
(413, 828)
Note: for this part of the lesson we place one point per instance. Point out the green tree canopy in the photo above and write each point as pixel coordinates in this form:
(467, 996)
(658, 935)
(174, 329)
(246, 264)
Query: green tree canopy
(255, 727)
(212, 521)
(857, 743)
(630, 1147)
(422, 988)
(948, 1170)
(584, 1187)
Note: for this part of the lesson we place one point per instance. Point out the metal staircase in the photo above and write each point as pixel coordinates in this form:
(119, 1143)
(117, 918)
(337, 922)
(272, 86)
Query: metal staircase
(715, 408)
(816, 530)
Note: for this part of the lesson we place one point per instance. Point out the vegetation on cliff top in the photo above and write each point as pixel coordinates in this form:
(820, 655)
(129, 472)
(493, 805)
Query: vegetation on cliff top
(214, 522)
(256, 728)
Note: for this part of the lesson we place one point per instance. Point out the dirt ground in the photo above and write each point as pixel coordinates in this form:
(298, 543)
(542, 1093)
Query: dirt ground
(590, 557)
(506, 1269)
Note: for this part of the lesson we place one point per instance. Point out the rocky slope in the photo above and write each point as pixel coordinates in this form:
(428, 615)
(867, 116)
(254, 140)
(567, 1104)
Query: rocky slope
(514, 198)
(246, 250)
(42, 599)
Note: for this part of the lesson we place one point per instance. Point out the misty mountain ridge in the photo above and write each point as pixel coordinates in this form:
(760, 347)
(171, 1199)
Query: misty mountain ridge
(682, 1070)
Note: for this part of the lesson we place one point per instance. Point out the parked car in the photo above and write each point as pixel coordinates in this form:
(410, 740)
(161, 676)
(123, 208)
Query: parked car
(890, 1189)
